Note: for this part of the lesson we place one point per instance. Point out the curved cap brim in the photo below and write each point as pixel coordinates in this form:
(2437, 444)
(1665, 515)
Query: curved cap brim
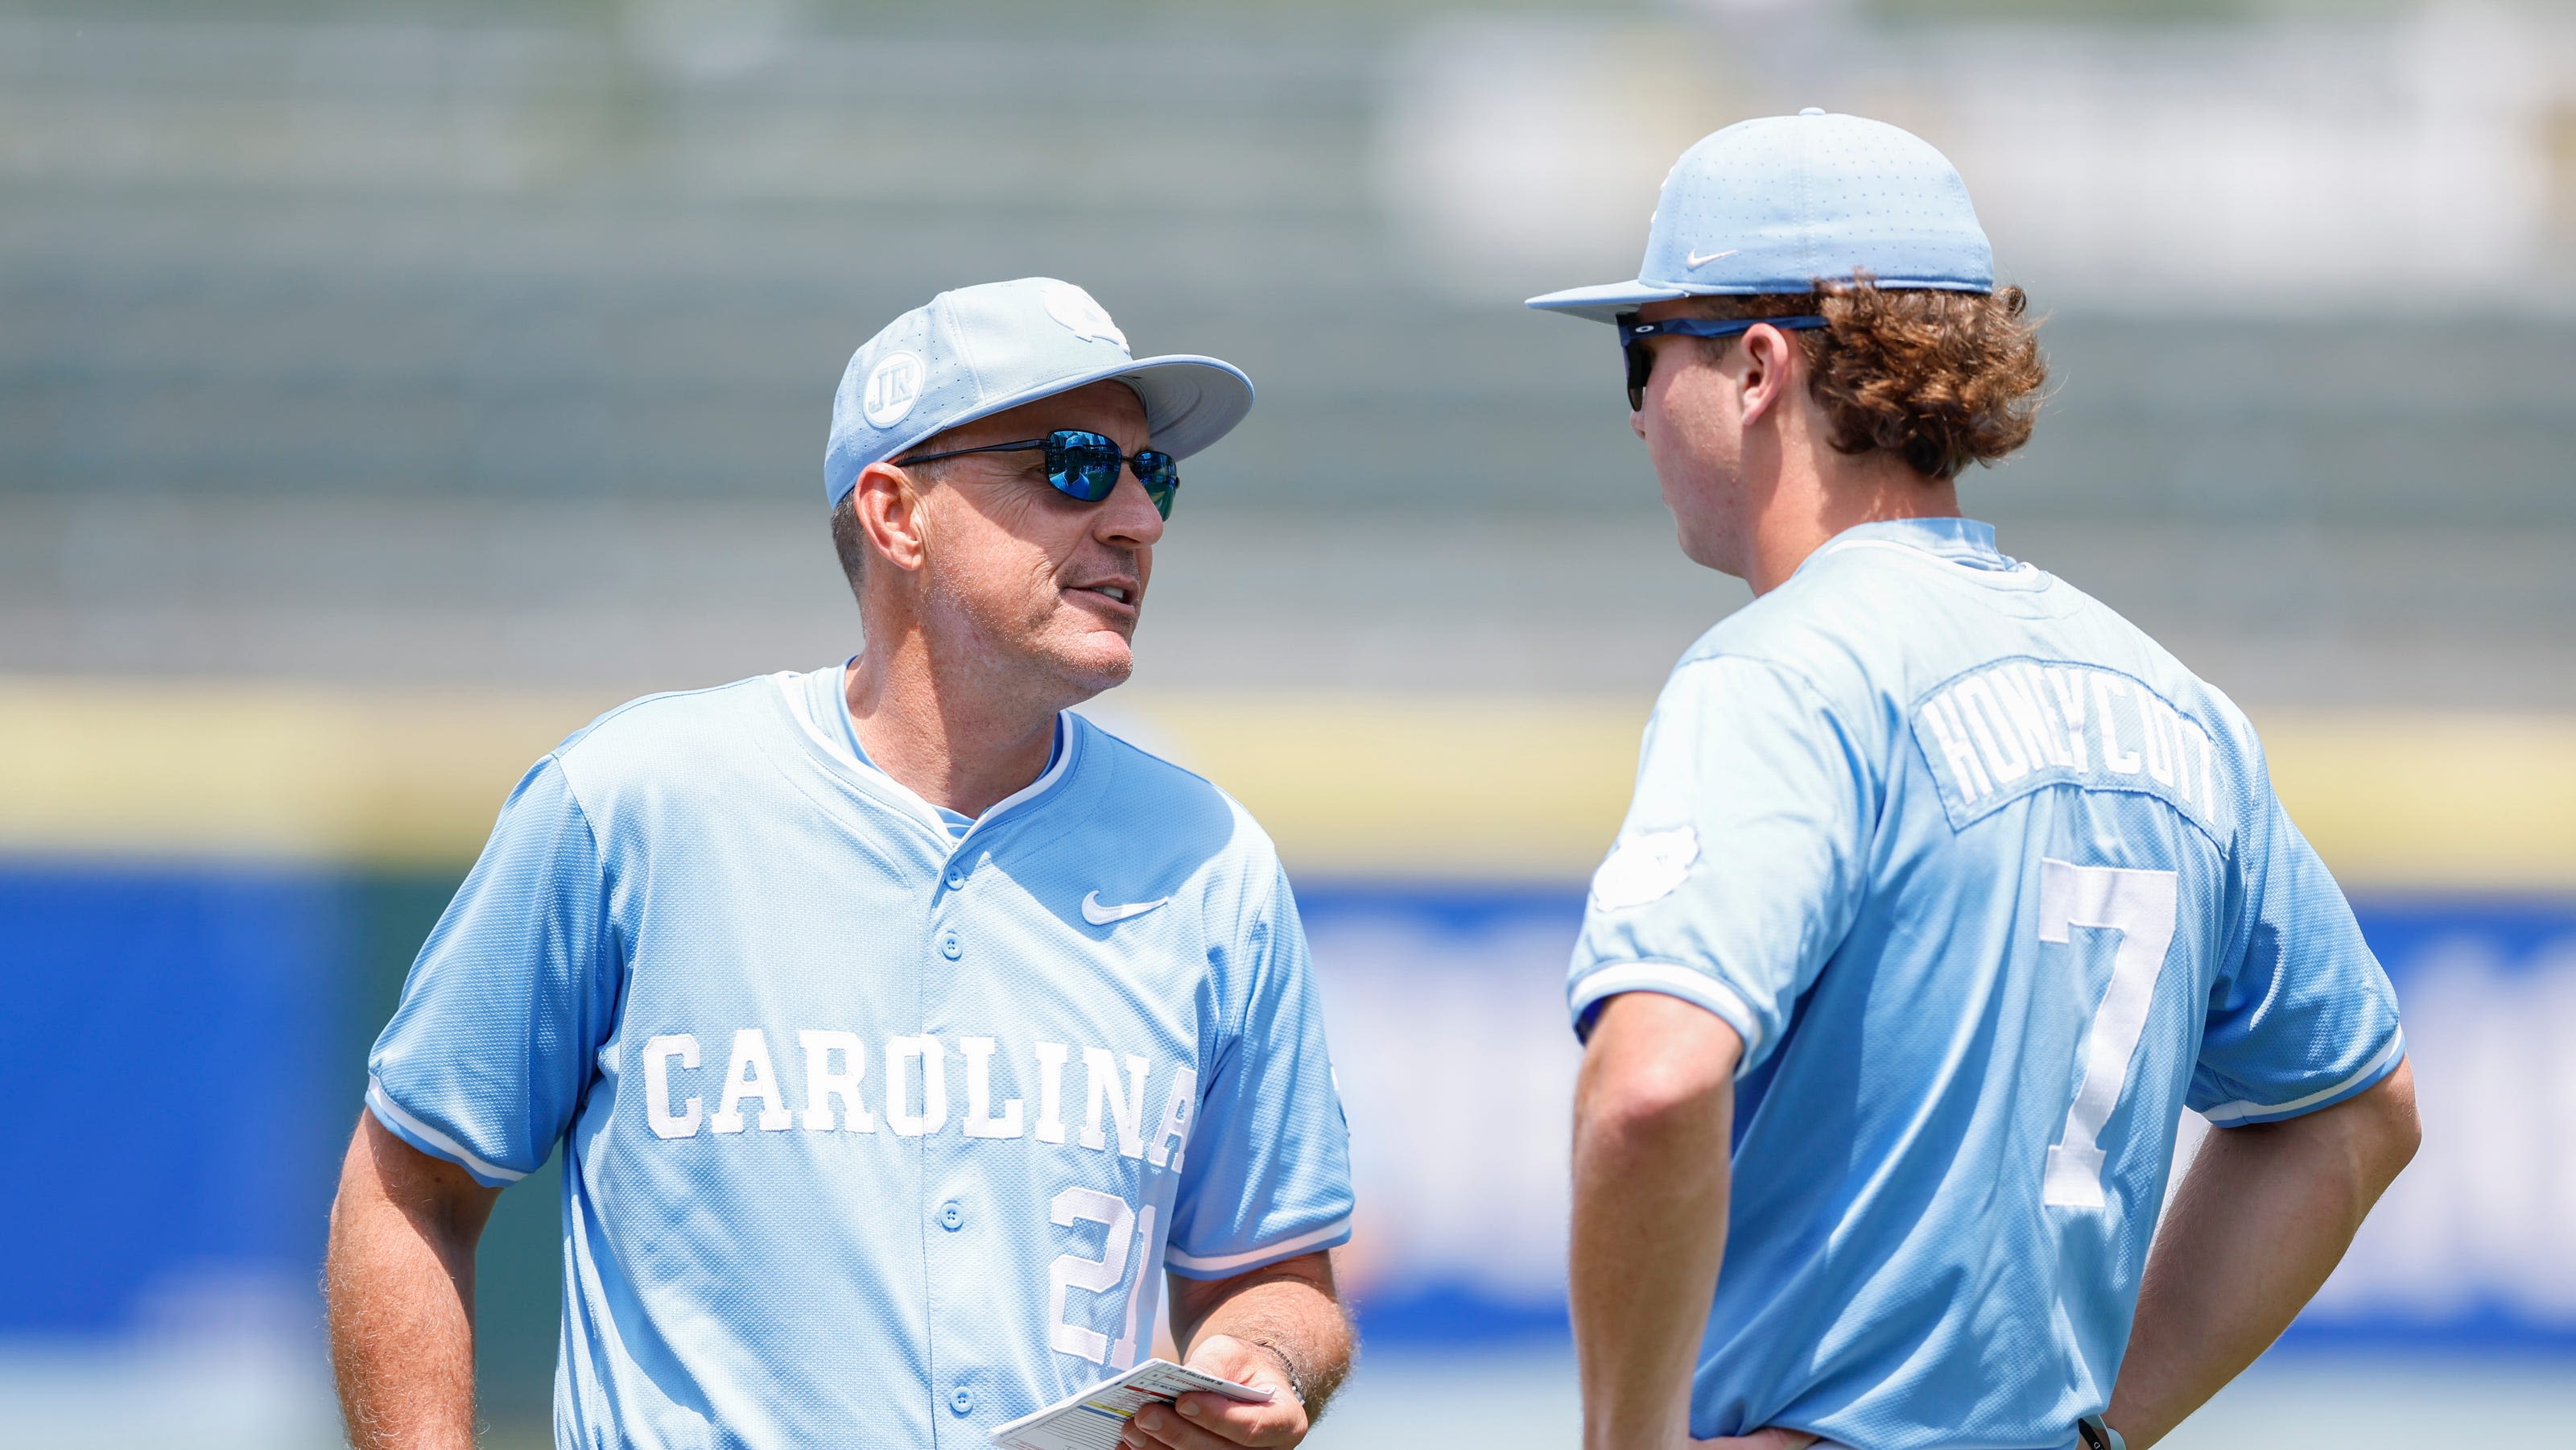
(1190, 401)
(1605, 302)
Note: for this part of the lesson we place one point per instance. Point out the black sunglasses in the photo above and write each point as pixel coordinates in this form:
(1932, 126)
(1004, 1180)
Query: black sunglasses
(1085, 465)
(1641, 359)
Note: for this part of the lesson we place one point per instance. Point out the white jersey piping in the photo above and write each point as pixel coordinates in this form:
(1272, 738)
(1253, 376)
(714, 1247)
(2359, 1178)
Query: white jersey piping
(1217, 1263)
(1693, 986)
(2226, 1113)
(407, 1126)
(790, 687)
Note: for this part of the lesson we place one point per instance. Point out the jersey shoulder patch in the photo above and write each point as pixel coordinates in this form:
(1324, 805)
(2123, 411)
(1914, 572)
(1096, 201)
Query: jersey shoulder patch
(1645, 867)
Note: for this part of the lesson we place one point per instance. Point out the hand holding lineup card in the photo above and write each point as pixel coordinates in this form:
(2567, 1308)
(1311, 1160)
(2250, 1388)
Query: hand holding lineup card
(1093, 1419)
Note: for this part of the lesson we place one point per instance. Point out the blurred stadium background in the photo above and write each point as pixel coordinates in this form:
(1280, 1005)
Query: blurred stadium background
(387, 388)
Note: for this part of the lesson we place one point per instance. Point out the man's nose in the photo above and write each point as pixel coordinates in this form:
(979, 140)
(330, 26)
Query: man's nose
(1129, 513)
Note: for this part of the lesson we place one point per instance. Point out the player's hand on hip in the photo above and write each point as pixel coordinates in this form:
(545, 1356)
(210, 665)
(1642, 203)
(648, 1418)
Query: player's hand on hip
(1213, 1422)
(1759, 1440)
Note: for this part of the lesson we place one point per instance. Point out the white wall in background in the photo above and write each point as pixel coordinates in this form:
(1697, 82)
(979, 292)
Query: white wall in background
(2414, 159)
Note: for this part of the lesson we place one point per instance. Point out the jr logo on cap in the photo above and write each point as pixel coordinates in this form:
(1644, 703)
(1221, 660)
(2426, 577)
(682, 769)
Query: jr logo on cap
(894, 385)
(1081, 315)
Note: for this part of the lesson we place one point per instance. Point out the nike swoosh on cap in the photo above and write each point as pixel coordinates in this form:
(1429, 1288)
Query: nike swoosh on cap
(1098, 915)
(1702, 259)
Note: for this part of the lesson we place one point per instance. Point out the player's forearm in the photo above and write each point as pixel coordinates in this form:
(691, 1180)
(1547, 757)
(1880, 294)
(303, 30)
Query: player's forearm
(2264, 1215)
(1652, 1115)
(1290, 1309)
(400, 1285)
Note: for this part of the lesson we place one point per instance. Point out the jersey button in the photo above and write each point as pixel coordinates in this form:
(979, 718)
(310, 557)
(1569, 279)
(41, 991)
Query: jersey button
(956, 880)
(952, 1217)
(962, 1400)
(951, 945)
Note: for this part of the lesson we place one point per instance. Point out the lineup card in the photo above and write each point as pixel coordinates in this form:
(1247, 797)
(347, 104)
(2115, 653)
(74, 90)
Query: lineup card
(1093, 1419)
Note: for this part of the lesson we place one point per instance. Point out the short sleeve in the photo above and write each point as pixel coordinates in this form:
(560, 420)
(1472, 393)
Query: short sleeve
(487, 1057)
(2306, 1017)
(1741, 863)
(1267, 1174)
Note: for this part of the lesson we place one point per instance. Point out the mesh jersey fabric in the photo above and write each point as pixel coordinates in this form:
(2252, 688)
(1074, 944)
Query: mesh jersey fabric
(874, 1136)
(1992, 887)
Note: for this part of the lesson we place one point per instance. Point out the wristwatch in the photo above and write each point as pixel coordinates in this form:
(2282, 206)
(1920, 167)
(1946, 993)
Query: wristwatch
(2098, 1436)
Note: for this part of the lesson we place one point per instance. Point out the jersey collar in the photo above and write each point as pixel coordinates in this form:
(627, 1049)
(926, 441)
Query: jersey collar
(1965, 542)
(813, 700)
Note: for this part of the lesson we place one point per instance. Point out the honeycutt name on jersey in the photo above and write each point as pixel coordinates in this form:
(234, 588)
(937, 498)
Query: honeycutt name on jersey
(2003, 730)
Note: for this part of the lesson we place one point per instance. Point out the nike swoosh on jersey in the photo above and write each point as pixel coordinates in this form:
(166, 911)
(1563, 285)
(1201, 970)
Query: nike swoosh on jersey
(1099, 915)
(1698, 260)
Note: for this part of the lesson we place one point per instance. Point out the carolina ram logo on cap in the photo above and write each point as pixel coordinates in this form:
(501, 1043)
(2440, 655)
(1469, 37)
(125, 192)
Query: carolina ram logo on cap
(893, 386)
(1082, 316)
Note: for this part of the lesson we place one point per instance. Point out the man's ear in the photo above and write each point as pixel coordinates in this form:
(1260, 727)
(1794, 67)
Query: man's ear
(1771, 367)
(890, 513)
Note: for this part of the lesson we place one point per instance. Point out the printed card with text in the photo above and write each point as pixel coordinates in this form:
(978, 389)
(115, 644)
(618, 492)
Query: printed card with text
(1093, 1419)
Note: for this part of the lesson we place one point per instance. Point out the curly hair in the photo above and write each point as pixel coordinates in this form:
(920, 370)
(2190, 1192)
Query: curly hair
(1941, 379)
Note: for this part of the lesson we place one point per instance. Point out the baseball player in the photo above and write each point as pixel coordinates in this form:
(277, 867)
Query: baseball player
(1943, 893)
(899, 1027)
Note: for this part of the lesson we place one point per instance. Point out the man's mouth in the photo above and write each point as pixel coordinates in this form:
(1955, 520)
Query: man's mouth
(1121, 592)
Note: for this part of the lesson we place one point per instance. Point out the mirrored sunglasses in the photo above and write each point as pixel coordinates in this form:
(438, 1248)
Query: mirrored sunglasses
(1084, 465)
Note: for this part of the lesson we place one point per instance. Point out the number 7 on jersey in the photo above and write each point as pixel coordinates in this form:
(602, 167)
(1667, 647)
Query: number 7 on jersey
(2140, 906)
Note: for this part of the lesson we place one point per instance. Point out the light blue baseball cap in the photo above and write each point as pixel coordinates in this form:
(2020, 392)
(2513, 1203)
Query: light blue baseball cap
(976, 351)
(1770, 206)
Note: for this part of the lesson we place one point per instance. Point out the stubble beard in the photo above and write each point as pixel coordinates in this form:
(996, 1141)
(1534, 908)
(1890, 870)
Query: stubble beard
(1042, 652)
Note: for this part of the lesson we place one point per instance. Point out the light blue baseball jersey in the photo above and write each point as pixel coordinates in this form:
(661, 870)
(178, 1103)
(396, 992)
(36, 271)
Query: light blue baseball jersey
(1993, 888)
(876, 1135)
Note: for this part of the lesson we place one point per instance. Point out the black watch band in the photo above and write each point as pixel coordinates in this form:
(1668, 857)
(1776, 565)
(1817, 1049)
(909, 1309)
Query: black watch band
(2098, 1436)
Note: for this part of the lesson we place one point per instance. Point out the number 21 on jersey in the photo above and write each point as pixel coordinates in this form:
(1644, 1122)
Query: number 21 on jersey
(1128, 1228)
(2140, 906)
